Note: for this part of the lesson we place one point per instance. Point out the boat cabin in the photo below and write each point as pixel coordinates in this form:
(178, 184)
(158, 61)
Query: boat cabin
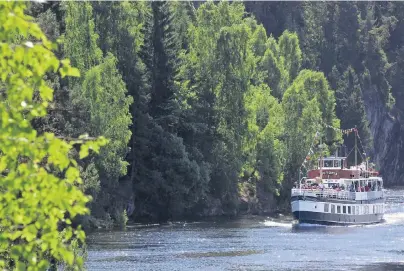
(332, 163)
(332, 173)
(336, 168)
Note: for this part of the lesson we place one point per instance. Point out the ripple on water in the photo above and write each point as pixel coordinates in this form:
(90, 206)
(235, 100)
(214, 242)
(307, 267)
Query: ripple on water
(232, 253)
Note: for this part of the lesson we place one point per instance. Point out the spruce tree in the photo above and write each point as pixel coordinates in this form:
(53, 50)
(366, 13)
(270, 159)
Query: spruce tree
(167, 183)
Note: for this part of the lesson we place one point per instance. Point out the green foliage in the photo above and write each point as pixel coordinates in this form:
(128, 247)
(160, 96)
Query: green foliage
(350, 107)
(102, 93)
(200, 103)
(262, 147)
(243, 82)
(290, 51)
(122, 27)
(39, 179)
(219, 66)
(348, 41)
(307, 104)
(183, 16)
(171, 179)
(281, 62)
(80, 40)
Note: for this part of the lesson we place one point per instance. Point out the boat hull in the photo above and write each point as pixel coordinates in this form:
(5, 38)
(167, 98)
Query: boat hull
(340, 213)
(336, 219)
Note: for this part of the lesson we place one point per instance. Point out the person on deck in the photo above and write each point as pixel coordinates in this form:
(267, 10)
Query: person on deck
(321, 186)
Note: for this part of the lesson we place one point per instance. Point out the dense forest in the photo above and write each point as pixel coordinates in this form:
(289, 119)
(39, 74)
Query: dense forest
(210, 108)
(158, 111)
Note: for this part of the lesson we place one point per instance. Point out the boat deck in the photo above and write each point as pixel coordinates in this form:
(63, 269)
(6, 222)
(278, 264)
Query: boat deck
(335, 194)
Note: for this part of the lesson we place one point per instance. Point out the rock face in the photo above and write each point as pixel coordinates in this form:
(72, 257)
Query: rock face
(387, 133)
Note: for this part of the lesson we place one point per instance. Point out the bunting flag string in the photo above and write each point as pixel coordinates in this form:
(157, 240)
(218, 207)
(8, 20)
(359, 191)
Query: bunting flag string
(310, 152)
(360, 142)
(347, 132)
(343, 131)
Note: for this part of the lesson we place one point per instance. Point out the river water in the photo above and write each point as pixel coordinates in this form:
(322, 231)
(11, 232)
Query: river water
(254, 243)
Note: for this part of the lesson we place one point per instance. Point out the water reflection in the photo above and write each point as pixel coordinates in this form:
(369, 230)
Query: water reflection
(383, 267)
(325, 229)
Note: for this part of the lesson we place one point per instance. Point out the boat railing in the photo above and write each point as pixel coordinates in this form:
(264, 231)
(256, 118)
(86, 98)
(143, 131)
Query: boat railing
(335, 194)
(369, 195)
(324, 193)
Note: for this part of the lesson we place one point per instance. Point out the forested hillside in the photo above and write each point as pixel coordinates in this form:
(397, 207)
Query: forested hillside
(210, 108)
(358, 46)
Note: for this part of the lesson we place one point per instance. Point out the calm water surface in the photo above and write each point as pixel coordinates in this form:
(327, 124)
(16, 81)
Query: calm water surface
(254, 243)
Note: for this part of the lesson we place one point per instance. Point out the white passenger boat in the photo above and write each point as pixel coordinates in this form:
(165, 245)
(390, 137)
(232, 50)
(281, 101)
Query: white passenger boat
(334, 194)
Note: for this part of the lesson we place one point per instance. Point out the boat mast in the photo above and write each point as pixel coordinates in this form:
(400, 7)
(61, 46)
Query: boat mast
(300, 181)
(321, 159)
(356, 162)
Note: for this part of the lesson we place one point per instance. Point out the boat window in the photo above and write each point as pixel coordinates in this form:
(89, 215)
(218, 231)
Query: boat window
(349, 209)
(326, 207)
(337, 163)
(333, 208)
(338, 209)
(328, 163)
(344, 209)
(374, 209)
(357, 210)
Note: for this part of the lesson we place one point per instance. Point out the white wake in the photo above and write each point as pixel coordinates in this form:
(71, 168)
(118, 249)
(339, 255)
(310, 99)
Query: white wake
(394, 218)
(271, 223)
